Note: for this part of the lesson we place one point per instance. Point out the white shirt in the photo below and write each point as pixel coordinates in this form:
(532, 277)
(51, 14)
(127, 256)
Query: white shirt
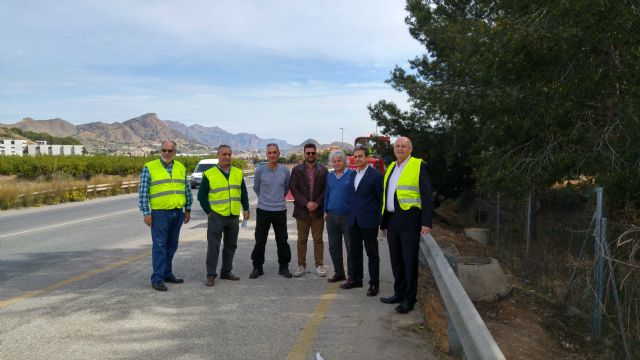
(392, 184)
(359, 175)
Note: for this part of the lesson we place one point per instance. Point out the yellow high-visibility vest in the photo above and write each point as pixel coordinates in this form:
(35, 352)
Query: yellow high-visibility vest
(408, 189)
(166, 192)
(224, 195)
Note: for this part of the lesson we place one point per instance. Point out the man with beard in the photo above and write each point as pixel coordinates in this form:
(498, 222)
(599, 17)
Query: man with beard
(308, 183)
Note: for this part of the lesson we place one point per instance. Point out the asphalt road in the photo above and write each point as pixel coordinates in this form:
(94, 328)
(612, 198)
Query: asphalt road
(74, 284)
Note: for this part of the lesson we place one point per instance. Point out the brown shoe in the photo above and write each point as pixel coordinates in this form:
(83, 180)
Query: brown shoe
(229, 276)
(336, 278)
(210, 280)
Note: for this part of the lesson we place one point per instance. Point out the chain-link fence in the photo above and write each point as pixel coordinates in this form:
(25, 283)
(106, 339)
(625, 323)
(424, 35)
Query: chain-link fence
(561, 241)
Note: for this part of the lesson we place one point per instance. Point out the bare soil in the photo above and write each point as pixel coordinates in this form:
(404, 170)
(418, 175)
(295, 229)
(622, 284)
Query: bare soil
(524, 324)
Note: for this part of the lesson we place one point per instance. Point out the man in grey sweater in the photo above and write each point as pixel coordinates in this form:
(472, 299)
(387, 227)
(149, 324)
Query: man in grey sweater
(271, 184)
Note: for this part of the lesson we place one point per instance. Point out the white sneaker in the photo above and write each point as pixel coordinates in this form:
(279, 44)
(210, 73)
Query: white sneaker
(321, 271)
(299, 272)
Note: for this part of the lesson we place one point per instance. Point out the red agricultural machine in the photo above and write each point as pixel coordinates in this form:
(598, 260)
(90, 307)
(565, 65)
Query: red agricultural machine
(378, 146)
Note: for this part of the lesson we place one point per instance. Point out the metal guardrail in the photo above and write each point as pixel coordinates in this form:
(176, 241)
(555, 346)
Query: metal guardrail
(466, 328)
(91, 188)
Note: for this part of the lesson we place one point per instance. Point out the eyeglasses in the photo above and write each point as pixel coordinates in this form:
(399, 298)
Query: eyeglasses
(310, 153)
(166, 150)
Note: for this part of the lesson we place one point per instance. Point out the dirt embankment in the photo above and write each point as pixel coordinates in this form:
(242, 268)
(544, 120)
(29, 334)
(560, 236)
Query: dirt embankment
(524, 324)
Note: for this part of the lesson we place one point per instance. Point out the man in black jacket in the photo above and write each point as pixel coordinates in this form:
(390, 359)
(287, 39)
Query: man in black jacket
(407, 207)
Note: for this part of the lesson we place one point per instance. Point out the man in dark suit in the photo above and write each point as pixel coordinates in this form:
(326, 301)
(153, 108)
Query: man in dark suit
(407, 207)
(363, 220)
(308, 183)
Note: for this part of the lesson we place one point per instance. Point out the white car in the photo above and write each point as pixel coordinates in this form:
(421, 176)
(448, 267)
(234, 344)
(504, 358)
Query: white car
(202, 166)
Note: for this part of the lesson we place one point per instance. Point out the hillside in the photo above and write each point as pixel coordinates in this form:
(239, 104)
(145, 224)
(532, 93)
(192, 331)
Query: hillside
(143, 134)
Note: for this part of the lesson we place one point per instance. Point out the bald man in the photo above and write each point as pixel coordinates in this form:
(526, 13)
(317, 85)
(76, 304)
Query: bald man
(407, 206)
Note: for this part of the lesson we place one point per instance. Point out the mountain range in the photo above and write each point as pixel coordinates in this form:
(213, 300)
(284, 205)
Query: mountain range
(143, 134)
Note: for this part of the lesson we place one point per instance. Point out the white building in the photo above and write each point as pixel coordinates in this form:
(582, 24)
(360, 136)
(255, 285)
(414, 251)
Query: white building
(20, 147)
(12, 147)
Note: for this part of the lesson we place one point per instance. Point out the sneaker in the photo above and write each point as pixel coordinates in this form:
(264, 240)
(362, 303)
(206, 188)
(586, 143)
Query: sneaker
(299, 272)
(321, 271)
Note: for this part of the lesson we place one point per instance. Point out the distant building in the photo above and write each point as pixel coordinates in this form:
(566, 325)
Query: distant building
(12, 147)
(20, 148)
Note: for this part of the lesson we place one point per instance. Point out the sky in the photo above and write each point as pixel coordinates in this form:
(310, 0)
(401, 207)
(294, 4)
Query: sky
(286, 69)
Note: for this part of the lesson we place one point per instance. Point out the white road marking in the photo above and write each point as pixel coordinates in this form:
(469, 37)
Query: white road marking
(67, 223)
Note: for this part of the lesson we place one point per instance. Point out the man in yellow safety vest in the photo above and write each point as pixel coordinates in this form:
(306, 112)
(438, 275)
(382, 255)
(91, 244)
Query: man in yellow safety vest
(222, 192)
(407, 206)
(164, 193)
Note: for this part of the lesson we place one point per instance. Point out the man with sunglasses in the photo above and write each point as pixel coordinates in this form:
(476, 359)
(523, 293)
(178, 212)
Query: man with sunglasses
(164, 193)
(308, 183)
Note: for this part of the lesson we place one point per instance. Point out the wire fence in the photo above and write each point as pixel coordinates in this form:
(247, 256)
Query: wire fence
(562, 241)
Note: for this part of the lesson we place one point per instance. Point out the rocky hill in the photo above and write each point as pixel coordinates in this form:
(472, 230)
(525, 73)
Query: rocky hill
(143, 134)
(214, 136)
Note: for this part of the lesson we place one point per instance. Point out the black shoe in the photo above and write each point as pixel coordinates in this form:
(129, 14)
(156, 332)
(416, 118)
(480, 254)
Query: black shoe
(336, 278)
(350, 284)
(404, 308)
(174, 280)
(393, 299)
(160, 286)
(285, 272)
(373, 290)
(256, 273)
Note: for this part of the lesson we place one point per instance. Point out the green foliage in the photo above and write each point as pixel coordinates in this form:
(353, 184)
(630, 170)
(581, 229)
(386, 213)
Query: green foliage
(294, 158)
(50, 167)
(32, 135)
(517, 95)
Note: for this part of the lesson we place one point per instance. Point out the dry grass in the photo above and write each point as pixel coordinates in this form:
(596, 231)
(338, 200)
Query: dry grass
(16, 193)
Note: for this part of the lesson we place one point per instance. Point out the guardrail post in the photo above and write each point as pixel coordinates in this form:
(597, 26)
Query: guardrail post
(455, 346)
(498, 220)
(528, 235)
(598, 270)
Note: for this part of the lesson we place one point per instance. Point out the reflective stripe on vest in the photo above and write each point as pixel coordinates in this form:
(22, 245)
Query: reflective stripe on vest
(224, 195)
(166, 192)
(408, 187)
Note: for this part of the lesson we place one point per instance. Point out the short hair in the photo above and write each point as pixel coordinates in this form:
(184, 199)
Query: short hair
(175, 146)
(404, 138)
(309, 145)
(223, 146)
(273, 144)
(361, 147)
(338, 153)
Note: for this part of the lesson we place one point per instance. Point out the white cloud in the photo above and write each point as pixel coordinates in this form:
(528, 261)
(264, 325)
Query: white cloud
(289, 69)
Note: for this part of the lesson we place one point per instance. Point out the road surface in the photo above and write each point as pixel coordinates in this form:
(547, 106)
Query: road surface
(74, 284)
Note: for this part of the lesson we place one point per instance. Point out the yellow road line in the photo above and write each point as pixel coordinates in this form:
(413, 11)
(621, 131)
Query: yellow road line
(303, 344)
(79, 277)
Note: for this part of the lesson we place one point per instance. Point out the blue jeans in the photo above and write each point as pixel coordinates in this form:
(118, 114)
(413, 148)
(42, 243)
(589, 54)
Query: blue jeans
(165, 230)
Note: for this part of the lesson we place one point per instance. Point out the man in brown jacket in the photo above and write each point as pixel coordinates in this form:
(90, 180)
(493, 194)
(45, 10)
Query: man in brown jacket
(307, 185)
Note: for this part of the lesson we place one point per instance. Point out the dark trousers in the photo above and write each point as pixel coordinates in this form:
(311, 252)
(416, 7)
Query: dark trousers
(369, 236)
(217, 227)
(165, 230)
(337, 229)
(264, 220)
(404, 244)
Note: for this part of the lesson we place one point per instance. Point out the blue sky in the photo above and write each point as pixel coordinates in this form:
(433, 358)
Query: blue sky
(281, 68)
